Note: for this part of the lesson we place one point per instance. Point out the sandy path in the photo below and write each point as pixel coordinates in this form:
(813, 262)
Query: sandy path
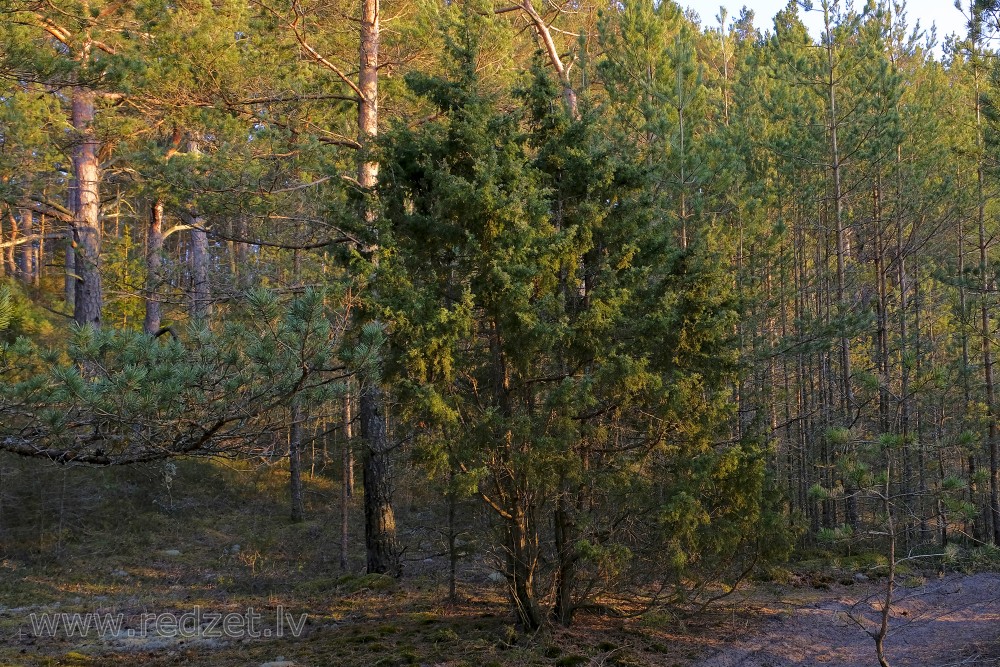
(954, 621)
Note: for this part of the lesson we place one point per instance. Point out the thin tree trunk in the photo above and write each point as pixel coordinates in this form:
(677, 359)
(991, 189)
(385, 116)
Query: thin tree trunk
(240, 254)
(971, 526)
(28, 263)
(987, 336)
(3, 263)
(847, 392)
(69, 284)
(9, 259)
(521, 565)
(346, 481)
(904, 336)
(566, 557)
(154, 262)
(40, 251)
(452, 537)
(348, 449)
(890, 582)
(295, 463)
(562, 71)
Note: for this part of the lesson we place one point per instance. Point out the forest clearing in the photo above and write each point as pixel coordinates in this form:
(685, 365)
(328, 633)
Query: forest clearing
(472, 332)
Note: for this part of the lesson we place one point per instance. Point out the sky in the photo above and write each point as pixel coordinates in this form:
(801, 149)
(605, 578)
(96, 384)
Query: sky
(940, 12)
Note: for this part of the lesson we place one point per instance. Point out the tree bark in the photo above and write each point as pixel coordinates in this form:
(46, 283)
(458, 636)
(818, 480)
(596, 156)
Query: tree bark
(562, 71)
(522, 562)
(86, 210)
(987, 336)
(452, 537)
(346, 482)
(3, 263)
(380, 521)
(69, 285)
(9, 255)
(368, 102)
(295, 463)
(348, 449)
(566, 558)
(29, 249)
(200, 290)
(154, 262)
(200, 304)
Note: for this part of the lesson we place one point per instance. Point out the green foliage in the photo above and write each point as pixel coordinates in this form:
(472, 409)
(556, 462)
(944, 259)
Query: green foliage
(20, 317)
(118, 396)
(837, 534)
(6, 308)
(735, 292)
(552, 338)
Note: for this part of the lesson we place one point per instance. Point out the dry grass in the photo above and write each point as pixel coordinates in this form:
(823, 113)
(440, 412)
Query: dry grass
(104, 541)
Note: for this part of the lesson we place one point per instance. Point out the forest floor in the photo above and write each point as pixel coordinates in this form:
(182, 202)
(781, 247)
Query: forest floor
(949, 621)
(206, 540)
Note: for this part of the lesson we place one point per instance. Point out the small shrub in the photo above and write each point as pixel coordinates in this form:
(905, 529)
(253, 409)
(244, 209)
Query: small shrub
(445, 635)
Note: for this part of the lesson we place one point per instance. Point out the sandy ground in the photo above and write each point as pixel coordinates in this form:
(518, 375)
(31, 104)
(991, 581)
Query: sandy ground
(953, 621)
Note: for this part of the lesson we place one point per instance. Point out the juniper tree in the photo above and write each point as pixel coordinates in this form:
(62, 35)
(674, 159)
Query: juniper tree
(545, 320)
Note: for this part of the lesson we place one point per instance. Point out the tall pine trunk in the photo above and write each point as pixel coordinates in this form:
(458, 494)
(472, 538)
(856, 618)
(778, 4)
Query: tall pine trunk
(200, 299)
(847, 392)
(380, 523)
(86, 212)
(987, 335)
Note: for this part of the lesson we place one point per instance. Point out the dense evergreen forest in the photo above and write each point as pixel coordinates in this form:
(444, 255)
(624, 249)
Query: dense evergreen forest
(639, 303)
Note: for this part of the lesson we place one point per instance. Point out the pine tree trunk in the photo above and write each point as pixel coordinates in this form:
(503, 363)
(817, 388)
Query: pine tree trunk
(972, 526)
(10, 252)
(380, 521)
(380, 524)
(295, 463)
(452, 538)
(28, 264)
(847, 392)
(348, 449)
(88, 297)
(200, 296)
(368, 104)
(987, 337)
(904, 335)
(200, 291)
(240, 255)
(346, 481)
(40, 252)
(69, 284)
(987, 341)
(154, 262)
(545, 36)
